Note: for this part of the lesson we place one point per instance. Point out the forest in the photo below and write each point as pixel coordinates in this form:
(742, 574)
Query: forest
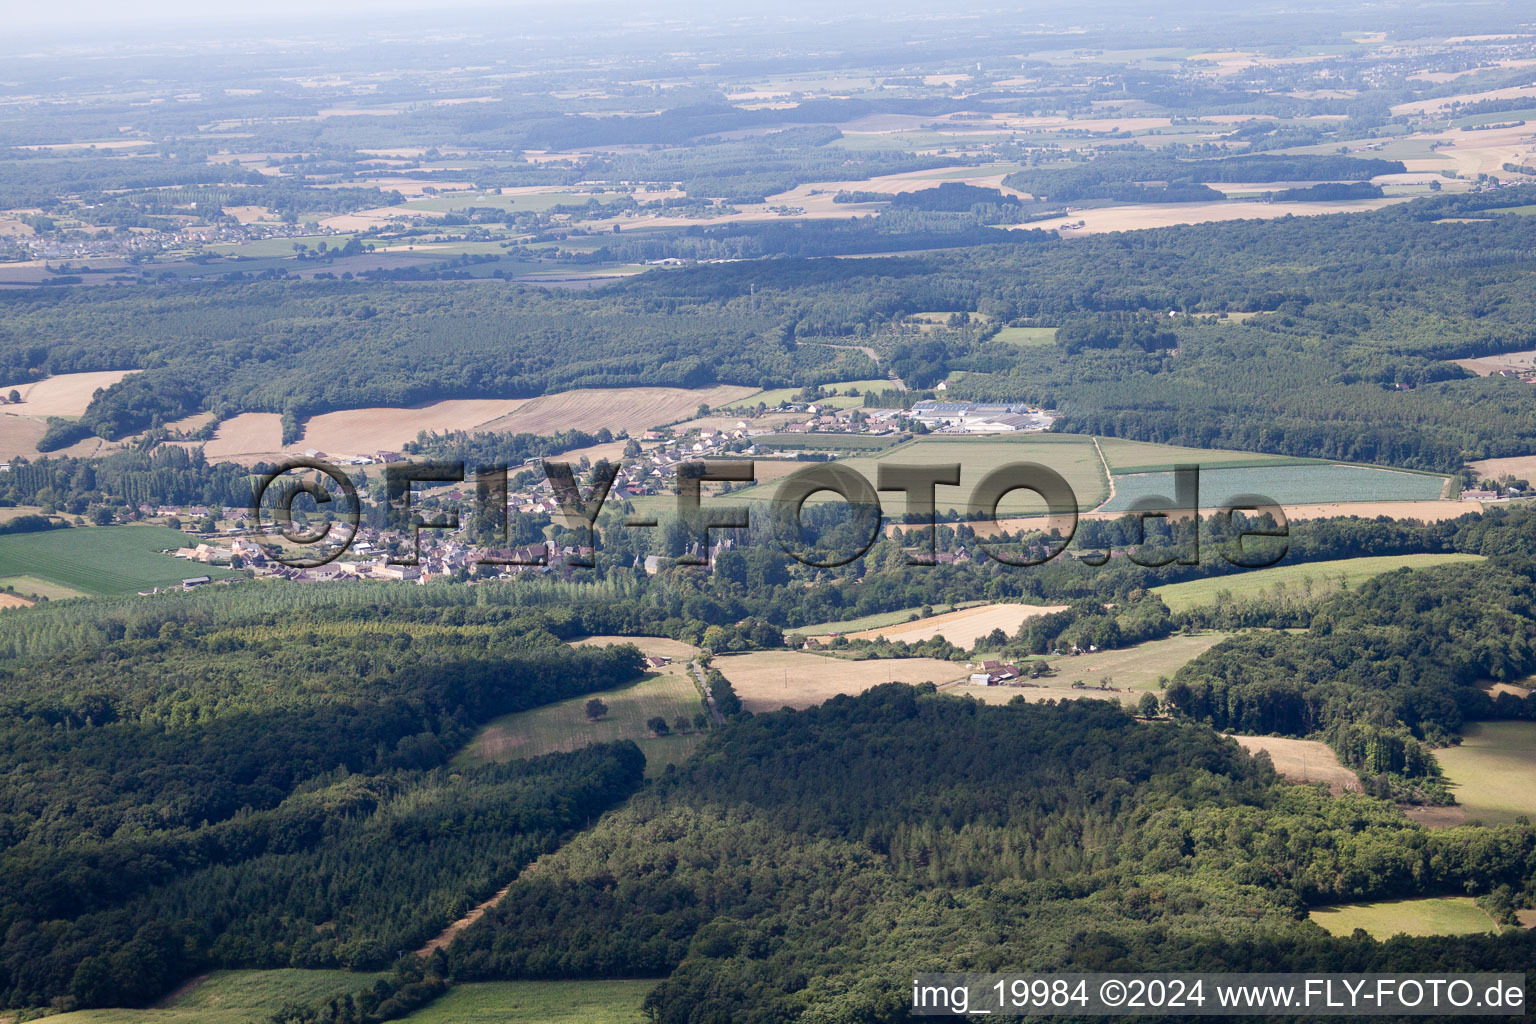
(1366, 332)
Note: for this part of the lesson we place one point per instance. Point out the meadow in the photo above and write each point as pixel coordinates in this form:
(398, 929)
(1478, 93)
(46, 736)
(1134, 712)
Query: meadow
(1294, 581)
(101, 560)
(1026, 337)
(232, 997)
(1284, 484)
(1451, 915)
(1130, 670)
(668, 692)
(538, 1002)
(1492, 772)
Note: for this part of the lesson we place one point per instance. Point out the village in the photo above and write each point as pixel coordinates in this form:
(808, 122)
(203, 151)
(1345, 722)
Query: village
(648, 470)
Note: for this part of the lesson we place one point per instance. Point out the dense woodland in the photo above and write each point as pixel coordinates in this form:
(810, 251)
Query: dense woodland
(805, 856)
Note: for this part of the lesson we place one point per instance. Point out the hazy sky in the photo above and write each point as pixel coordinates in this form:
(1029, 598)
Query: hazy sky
(77, 14)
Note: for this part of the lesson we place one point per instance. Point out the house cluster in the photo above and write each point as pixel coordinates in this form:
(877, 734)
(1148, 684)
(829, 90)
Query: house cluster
(825, 420)
(992, 673)
(976, 418)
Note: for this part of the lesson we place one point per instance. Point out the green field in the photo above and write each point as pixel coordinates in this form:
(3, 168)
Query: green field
(1136, 668)
(31, 586)
(1294, 581)
(1027, 337)
(233, 997)
(1071, 455)
(102, 560)
(1493, 771)
(877, 620)
(1144, 457)
(266, 247)
(535, 202)
(1286, 484)
(565, 726)
(538, 1002)
(1452, 915)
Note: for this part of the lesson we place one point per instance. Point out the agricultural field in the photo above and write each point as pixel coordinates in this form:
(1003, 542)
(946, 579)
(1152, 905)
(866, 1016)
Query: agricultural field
(901, 615)
(1305, 761)
(1452, 915)
(769, 680)
(1026, 337)
(962, 628)
(1071, 455)
(232, 997)
(103, 559)
(1131, 671)
(1492, 772)
(1285, 484)
(1295, 581)
(66, 394)
(632, 409)
(668, 692)
(1128, 457)
(538, 1002)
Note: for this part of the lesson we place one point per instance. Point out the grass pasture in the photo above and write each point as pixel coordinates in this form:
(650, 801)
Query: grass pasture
(232, 997)
(1316, 578)
(1127, 457)
(1492, 771)
(1027, 337)
(1130, 670)
(101, 560)
(538, 1002)
(1451, 915)
(668, 692)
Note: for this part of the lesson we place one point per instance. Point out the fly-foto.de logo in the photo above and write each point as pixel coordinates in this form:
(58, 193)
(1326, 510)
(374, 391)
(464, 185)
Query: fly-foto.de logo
(289, 498)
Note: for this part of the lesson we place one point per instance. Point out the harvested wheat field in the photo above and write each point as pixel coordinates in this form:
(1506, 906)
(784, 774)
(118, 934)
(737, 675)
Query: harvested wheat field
(650, 646)
(1136, 217)
(14, 601)
(1036, 692)
(1304, 761)
(769, 680)
(246, 437)
(1522, 467)
(630, 409)
(1424, 511)
(64, 395)
(363, 431)
(19, 435)
(964, 627)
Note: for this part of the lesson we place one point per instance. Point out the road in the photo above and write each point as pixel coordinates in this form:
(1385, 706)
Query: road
(709, 700)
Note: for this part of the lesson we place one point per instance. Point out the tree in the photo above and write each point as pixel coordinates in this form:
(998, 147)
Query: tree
(1147, 706)
(682, 723)
(657, 725)
(596, 709)
(14, 397)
